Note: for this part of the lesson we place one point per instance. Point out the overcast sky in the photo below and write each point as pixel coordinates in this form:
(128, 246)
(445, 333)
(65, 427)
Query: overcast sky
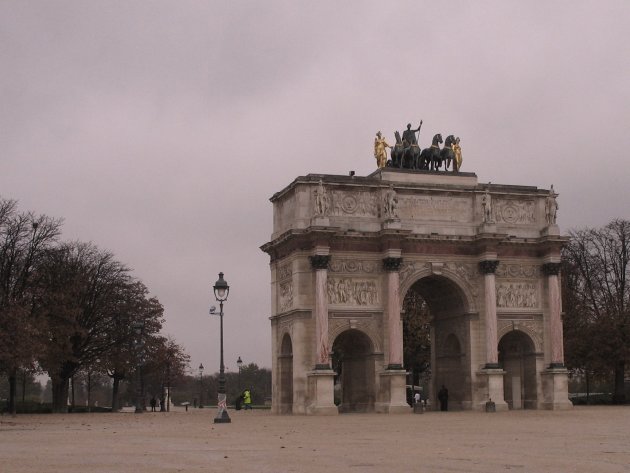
(159, 129)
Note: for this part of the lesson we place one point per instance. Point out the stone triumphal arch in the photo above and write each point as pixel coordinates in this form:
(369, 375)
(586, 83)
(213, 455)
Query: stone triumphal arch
(346, 251)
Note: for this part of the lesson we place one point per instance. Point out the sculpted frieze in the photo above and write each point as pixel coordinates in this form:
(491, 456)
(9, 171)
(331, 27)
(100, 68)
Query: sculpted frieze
(451, 209)
(286, 296)
(464, 270)
(517, 295)
(285, 271)
(348, 265)
(410, 267)
(532, 328)
(358, 204)
(522, 271)
(352, 291)
(514, 211)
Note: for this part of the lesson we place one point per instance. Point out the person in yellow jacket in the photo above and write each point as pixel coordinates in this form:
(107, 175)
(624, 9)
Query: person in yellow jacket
(247, 399)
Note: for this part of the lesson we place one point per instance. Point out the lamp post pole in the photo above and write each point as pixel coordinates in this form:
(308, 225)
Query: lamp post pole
(221, 291)
(200, 385)
(239, 363)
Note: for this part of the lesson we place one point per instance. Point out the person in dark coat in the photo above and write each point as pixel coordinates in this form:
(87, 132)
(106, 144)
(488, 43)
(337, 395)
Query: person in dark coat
(443, 398)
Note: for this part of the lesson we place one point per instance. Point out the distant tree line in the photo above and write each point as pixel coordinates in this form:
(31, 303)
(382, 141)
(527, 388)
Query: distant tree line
(196, 389)
(70, 309)
(596, 301)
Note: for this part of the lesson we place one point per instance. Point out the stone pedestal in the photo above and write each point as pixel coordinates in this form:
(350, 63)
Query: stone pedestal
(555, 384)
(321, 393)
(392, 224)
(551, 230)
(487, 228)
(494, 383)
(392, 398)
(320, 222)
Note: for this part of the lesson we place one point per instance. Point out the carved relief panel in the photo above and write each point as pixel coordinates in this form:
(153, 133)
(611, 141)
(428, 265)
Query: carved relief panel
(352, 291)
(517, 295)
(441, 208)
(518, 286)
(356, 204)
(514, 212)
(285, 286)
(285, 296)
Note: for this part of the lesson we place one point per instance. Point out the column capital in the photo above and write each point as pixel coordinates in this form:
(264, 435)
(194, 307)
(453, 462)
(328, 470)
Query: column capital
(319, 261)
(551, 269)
(392, 264)
(488, 266)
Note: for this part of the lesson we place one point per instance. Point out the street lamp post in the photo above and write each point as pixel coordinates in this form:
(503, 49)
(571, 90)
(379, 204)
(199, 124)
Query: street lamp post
(221, 291)
(200, 385)
(138, 327)
(239, 363)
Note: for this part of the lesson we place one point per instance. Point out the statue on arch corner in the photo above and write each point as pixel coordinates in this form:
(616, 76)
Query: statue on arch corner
(380, 150)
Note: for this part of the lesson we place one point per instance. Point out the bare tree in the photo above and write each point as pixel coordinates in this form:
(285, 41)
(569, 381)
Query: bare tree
(24, 237)
(133, 305)
(80, 286)
(598, 272)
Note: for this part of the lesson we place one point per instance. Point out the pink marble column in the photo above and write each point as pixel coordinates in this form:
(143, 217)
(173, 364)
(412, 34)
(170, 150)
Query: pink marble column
(552, 270)
(488, 269)
(394, 328)
(322, 348)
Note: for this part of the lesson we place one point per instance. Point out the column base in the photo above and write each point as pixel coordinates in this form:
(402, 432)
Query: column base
(392, 397)
(321, 392)
(555, 384)
(494, 384)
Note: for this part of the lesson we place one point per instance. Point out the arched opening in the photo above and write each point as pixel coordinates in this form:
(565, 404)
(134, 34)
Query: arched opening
(436, 340)
(353, 361)
(286, 375)
(517, 357)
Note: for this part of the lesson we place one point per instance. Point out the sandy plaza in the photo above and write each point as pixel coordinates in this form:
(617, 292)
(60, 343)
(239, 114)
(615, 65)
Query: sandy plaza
(585, 439)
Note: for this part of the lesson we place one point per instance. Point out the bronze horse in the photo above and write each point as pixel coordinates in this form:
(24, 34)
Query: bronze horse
(430, 157)
(447, 155)
(397, 152)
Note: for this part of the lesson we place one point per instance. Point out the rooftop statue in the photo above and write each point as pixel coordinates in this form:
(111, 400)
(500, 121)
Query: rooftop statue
(551, 207)
(380, 150)
(409, 135)
(457, 149)
(322, 200)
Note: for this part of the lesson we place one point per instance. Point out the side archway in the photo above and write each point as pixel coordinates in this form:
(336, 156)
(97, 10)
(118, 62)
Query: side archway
(517, 357)
(286, 375)
(354, 362)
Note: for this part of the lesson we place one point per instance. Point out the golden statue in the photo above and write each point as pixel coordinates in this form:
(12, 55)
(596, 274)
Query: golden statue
(380, 151)
(457, 149)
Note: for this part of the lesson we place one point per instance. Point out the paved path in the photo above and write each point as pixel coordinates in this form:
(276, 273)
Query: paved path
(586, 439)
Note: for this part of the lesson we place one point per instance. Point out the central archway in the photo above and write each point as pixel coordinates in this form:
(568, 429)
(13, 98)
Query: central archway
(440, 321)
(353, 361)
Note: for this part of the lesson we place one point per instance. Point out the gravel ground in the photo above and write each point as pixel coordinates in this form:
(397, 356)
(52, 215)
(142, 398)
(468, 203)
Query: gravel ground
(585, 439)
